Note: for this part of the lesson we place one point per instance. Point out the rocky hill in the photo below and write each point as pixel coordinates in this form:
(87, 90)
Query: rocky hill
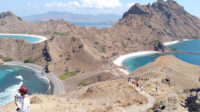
(173, 76)
(141, 25)
(176, 80)
(167, 20)
(89, 52)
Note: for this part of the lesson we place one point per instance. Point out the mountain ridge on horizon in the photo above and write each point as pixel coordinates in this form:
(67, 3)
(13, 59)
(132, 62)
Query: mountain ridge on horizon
(73, 17)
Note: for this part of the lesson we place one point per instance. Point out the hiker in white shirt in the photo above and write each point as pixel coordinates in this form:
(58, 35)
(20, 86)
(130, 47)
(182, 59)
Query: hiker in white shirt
(23, 102)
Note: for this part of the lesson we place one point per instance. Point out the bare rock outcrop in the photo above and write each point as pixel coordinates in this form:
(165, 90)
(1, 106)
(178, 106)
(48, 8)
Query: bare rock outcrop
(5, 14)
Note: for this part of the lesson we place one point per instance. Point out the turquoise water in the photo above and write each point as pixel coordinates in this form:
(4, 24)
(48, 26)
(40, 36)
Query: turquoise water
(133, 63)
(30, 39)
(13, 77)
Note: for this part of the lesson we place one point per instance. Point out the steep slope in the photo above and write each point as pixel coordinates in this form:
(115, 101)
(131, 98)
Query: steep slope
(175, 80)
(10, 23)
(109, 96)
(183, 75)
(15, 49)
(65, 46)
(167, 20)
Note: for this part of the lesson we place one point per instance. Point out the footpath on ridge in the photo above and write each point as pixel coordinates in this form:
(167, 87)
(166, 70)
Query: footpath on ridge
(145, 107)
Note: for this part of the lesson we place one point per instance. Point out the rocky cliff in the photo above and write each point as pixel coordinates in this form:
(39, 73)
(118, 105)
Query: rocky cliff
(162, 20)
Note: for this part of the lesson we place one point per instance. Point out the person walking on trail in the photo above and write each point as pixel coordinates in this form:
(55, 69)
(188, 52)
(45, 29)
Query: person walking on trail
(141, 87)
(129, 79)
(157, 87)
(22, 102)
(137, 83)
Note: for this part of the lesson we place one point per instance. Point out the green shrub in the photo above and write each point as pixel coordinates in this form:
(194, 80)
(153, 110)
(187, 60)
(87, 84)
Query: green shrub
(61, 33)
(29, 60)
(103, 49)
(82, 84)
(67, 59)
(144, 43)
(66, 74)
(7, 59)
(96, 43)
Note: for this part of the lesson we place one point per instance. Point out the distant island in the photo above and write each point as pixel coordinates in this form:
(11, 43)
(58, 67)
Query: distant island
(78, 19)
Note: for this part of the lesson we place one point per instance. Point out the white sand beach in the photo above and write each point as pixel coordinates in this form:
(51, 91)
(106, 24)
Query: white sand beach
(171, 43)
(42, 38)
(119, 60)
(175, 42)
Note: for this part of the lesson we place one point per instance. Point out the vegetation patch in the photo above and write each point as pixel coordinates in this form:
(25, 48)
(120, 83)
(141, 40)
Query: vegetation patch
(29, 60)
(103, 49)
(66, 74)
(96, 43)
(61, 33)
(5, 59)
(82, 84)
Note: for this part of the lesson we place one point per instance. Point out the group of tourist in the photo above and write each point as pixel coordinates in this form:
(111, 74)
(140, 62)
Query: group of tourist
(136, 82)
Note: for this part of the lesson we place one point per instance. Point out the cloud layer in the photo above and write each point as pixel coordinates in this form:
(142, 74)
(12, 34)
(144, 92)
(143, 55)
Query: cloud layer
(98, 4)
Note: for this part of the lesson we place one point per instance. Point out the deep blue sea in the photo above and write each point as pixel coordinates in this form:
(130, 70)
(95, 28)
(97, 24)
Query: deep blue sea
(13, 77)
(30, 39)
(133, 63)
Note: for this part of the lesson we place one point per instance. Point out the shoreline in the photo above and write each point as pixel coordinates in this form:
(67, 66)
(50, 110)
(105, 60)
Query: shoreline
(42, 38)
(119, 61)
(175, 42)
(55, 87)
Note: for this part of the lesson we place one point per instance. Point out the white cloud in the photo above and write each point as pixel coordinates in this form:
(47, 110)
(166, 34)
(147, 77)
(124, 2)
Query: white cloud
(62, 5)
(101, 4)
(97, 4)
(130, 5)
(88, 6)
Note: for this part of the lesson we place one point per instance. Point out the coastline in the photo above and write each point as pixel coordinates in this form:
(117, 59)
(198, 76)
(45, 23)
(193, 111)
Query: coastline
(119, 61)
(175, 42)
(36, 36)
(55, 85)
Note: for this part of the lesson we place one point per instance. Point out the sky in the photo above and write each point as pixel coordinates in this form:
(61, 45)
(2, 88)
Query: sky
(30, 7)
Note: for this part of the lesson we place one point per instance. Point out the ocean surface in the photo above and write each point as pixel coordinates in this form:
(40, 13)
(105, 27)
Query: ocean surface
(30, 39)
(13, 77)
(98, 25)
(133, 63)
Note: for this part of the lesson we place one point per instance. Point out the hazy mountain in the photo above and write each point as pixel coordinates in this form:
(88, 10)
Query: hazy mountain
(74, 18)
